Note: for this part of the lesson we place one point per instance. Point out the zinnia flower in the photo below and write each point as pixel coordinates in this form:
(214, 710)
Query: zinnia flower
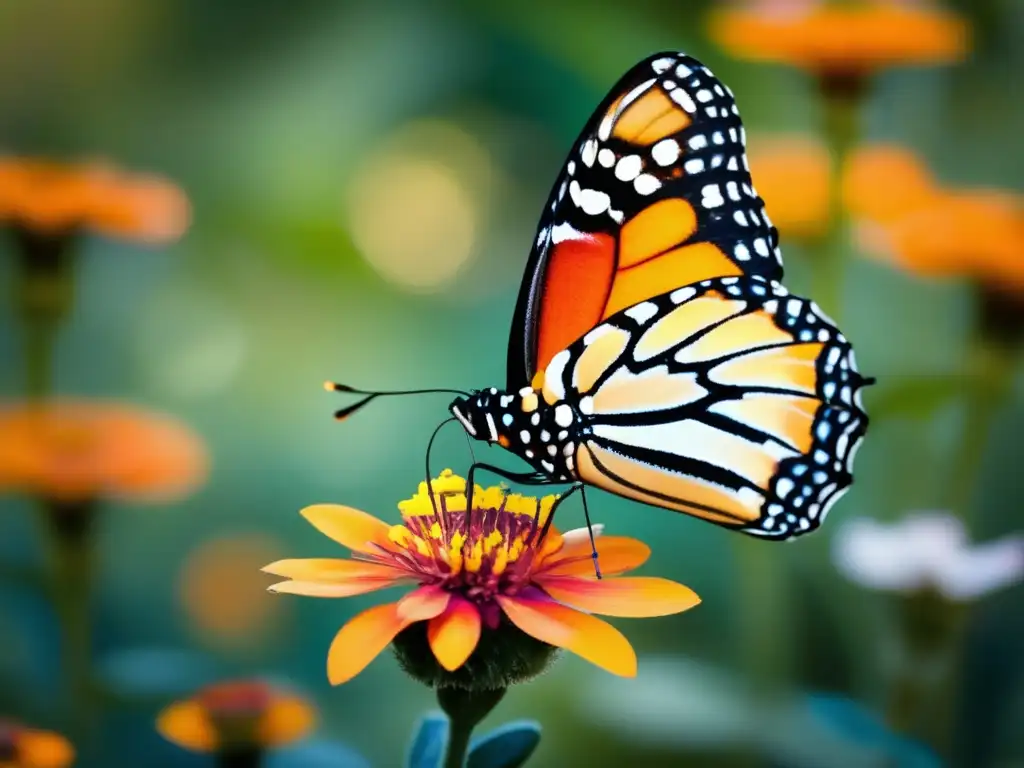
(792, 174)
(76, 452)
(55, 199)
(492, 598)
(239, 718)
(926, 551)
(841, 43)
(882, 182)
(22, 747)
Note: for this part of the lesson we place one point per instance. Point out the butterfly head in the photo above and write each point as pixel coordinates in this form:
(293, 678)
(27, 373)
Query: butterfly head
(476, 413)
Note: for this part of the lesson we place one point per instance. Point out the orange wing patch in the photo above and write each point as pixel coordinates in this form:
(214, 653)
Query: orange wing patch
(600, 354)
(732, 509)
(656, 229)
(791, 368)
(785, 417)
(684, 321)
(674, 269)
(744, 333)
(653, 389)
(575, 293)
(649, 118)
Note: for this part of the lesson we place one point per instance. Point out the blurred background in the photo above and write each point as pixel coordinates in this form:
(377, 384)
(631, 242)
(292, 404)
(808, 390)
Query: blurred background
(364, 182)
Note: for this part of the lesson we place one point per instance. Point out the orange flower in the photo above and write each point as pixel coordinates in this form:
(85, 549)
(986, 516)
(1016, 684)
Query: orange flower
(240, 715)
(57, 199)
(477, 576)
(977, 234)
(882, 182)
(78, 451)
(841, 40)
(223, 592)
(22, 747)
(792, 174)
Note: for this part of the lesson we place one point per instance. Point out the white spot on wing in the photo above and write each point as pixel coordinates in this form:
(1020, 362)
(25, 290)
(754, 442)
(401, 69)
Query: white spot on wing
(643, 311)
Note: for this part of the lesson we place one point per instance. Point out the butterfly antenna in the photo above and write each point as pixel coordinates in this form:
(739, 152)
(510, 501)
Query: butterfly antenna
(370, 396)
(430, 484)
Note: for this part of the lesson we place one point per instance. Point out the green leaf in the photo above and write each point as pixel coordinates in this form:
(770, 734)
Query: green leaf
(429, 741)
(509, 746)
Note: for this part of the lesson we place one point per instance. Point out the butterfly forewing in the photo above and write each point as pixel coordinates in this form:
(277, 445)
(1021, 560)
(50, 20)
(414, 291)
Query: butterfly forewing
(656, 194)
(730, 399)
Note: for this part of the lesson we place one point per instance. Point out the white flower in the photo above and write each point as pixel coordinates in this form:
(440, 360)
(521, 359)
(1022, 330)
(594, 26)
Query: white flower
(926, 549)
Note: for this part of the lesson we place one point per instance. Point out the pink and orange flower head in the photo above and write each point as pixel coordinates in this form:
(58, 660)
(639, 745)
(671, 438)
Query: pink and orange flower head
(494, 595)
(24, 747)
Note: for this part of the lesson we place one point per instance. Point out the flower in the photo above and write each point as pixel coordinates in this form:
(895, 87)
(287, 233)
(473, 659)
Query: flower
(926, 551)
(76, 451)
(237, 716)
(223, 592)
(491, 592)
(973, 233)
(23, 747)
(882, 182)
(792, 174)
(55, 199)
(841, 42)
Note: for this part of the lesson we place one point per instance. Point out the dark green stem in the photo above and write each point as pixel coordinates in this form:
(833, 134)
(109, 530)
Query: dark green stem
(841, 103)
(70, 528)
(764, 615)
(465, 710)
(240, 758)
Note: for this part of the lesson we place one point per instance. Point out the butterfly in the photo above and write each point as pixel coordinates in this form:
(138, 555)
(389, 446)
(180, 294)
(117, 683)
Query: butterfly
(654, 352)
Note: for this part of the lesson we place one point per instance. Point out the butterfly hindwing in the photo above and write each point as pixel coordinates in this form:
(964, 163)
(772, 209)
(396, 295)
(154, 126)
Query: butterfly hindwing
(656, 194)
(730, 399)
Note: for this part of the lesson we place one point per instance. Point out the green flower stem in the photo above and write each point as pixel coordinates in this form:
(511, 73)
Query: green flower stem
(465, 710)
(240, 758)
(765, 613)
(72, 568)
(44, 297)
(990, 369)
(841, 104)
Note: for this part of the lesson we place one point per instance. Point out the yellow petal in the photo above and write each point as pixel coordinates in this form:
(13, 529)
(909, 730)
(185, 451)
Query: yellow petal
(349, 527)
(361, 640)
(43, 749)
(187, 724)
(325, 569)
(616, 554)
(591, 638)
(287, 719)
(637, 596)
(454, 634)
(325, 589)
(423, 603)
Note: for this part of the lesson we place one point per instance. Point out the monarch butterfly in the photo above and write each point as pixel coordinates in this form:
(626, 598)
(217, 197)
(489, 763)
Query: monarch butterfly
(653, 351)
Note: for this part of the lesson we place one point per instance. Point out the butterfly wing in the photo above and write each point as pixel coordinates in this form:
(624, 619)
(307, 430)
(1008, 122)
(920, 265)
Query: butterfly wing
(730, 399)
(655, 194)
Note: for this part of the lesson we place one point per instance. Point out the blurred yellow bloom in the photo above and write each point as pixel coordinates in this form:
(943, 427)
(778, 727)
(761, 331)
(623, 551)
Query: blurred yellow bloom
(22, 747)
(977, 234)
(841, 40)
(223, 591)
(79, 451)
(56, 199)
(792, 174)
(239, 715)
(478, 575)
(882, 182)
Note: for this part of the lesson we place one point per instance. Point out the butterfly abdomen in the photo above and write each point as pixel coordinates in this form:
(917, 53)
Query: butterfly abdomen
(545, 434)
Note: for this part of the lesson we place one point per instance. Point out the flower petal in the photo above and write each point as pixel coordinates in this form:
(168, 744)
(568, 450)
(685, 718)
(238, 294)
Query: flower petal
(454, 634)
(616, 554)
(288, 718)
(331, 569)
(350, 527)
(43, 749)
(636, 596)
(188, 724)
(361, 640)
(591, 638)
(423, 603)
(327, 589)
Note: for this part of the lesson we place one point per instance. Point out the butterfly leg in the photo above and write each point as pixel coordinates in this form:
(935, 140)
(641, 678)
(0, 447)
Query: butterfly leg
(526, 478)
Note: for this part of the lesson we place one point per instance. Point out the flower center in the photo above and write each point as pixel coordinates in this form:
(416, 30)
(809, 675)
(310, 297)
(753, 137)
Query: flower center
(487, 552)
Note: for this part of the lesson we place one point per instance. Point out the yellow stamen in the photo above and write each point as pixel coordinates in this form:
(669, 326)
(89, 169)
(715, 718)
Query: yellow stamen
(400, 535)
(494, 538)
(435, 531)
(500, 561)
(475, 558)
